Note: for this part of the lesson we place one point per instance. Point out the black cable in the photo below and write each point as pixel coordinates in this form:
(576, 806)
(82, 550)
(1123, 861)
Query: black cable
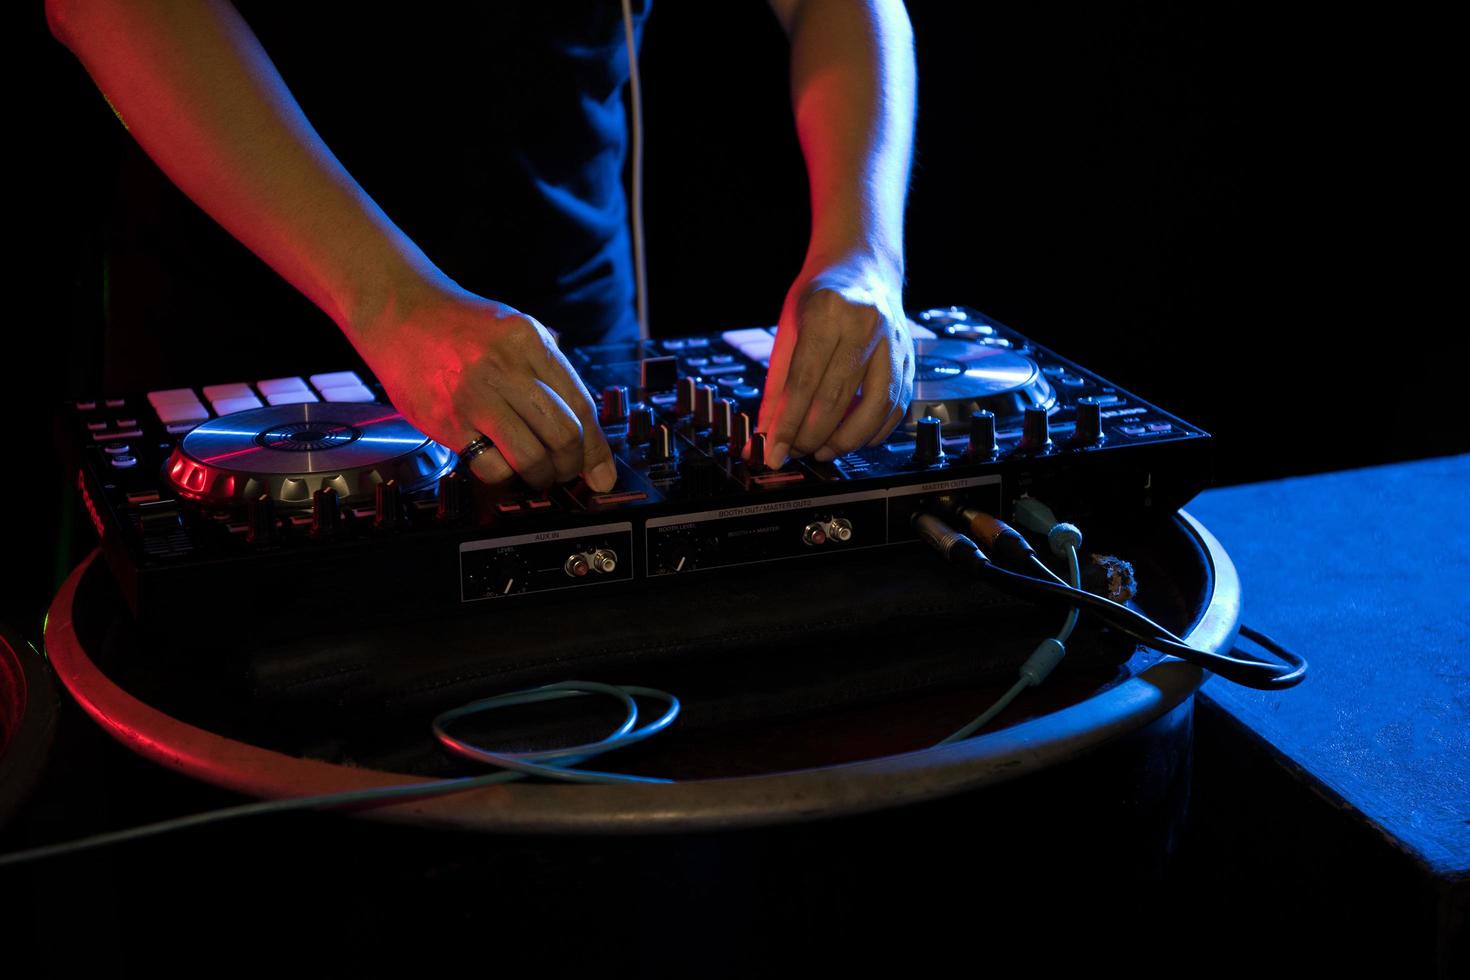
(1259, 674)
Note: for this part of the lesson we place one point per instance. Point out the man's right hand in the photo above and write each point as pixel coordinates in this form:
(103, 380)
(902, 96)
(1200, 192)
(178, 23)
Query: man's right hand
(458, 365)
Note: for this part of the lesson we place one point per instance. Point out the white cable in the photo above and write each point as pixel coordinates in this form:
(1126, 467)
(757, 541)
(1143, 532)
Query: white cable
(1064, 539)
(640, 263)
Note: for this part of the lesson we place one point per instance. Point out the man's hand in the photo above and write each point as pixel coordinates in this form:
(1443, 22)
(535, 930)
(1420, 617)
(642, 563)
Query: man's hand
(842, 335)
(458, 365)
(842, 330)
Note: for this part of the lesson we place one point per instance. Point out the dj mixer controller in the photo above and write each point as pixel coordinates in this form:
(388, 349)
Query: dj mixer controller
(314, 494)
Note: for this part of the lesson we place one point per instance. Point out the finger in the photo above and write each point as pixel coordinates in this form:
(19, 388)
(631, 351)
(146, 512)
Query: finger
(881, 394)
(891, 423)
(490, 467)
(596, 455)
(906, 395)
(551, 421)
(794, 386)
(520, 447)
(834, 394)
(776, 371)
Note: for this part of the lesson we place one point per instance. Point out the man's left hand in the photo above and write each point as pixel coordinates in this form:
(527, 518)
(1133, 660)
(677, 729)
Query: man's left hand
(843, 336)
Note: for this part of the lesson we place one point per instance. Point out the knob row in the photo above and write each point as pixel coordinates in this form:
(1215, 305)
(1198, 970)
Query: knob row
(1035, 433)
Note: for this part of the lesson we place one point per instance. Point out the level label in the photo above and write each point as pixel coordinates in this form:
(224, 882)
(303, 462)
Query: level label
(562, 535)
(942, 486)
(774, 507)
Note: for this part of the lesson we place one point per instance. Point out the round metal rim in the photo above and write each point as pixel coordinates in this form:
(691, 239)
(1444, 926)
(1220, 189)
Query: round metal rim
(32, 694)
(712, 804)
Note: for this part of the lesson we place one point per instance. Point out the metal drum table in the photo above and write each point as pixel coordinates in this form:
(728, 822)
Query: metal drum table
(844, 821)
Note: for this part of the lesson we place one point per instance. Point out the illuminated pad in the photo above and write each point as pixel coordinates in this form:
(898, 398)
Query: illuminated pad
(285, 391)
(279, 386)
(291, 397)
(336, 379)
(176, 405)
(347, 393)
(228, 406)
(237, 390)
(755, 343)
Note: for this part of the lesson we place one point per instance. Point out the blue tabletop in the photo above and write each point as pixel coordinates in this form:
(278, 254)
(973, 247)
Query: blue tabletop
(1367, 574)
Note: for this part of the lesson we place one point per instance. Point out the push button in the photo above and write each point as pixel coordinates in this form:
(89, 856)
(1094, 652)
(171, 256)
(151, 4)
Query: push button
(238, 389)
(114, 436)
(291, 398)
(335, 379)
(176, 405)
(229, 406)
(347, 393)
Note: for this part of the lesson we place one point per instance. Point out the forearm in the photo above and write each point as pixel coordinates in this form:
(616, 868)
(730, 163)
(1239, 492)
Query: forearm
(852, 89)
(200, 95)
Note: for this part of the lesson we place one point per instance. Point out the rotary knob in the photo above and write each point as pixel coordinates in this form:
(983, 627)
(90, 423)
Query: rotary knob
(982, 433)
(658, 373)
(661, 445)
(739, 433)
(1035, 432)
(928, 446)
(614, 404)
(724, 419)
(640, 424)
(453, 495)
(388, 512)
(758, 451)
(676, 553)
(261, 516)
(324, 512)
(1089, 425)
(704, 406)
(684, 399)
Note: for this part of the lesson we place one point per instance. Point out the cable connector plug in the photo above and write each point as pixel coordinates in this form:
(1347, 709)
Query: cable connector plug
(1035, 516)
(1043, 660)
(998, 538)
(1060, 537)
(948, 542)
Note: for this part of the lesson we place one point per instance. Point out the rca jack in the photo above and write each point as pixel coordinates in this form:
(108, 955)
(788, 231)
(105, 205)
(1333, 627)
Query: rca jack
(603, 561)
(837, 529)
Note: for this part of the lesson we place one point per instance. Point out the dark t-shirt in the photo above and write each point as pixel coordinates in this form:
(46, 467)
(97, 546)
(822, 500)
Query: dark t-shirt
(493, 134)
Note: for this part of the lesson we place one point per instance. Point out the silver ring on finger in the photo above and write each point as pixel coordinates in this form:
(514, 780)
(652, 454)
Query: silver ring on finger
(478, 445)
